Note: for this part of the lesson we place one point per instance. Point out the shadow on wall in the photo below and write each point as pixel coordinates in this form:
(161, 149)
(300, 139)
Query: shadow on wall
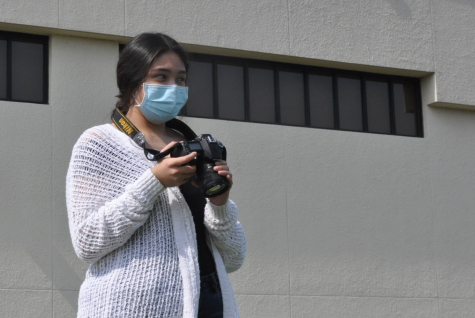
(29, 250)
(23, 252)
(465, 2)
(401, 8)
(66, 271)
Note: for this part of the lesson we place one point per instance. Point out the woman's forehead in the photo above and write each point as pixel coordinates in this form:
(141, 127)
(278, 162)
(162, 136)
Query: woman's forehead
(168, 60)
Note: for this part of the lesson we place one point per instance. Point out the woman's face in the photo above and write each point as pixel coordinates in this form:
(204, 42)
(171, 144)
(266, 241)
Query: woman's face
(167, 69)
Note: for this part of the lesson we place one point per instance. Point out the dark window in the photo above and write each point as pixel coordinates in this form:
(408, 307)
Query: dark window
(297, 95)
(377, 105)
(292, 97)
(230, 80)
(200, 91)
(405, 108)
(3, 66)
(23, 67)
(322, 114)
(350, 103)
(261, 93)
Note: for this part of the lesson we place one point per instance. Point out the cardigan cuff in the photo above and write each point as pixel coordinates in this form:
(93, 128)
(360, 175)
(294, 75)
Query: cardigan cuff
(147, 188)
(219, 213)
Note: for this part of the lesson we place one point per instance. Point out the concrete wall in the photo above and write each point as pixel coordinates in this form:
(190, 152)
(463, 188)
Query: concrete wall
(343, 224)
(392, 36)
(39, 272)
(339, 224)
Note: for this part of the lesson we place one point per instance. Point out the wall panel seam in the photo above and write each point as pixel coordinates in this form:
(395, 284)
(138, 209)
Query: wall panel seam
(288, 33)
(434, 65)
(59, 13)
(348, 296)
(52, 199)
(287, 227)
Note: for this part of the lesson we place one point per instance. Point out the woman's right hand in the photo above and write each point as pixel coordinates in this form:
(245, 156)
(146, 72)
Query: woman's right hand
(171, 172)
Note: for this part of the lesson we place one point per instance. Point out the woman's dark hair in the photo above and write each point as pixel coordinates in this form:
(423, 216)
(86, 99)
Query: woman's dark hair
(136, 59)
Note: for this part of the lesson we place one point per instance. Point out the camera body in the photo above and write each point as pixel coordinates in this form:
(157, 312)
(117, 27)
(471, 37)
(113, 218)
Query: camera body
(208, 150)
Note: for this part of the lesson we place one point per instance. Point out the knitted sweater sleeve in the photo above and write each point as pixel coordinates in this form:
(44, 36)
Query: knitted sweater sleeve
(102, 215)
(227, 233)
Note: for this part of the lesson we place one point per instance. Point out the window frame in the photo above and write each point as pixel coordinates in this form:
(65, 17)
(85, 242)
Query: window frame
(44, 41)
(306, 71)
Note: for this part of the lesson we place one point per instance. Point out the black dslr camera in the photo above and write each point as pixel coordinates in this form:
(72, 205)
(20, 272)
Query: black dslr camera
(208, 151)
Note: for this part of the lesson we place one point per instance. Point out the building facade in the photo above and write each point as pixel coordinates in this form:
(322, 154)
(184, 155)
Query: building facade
(340, 222)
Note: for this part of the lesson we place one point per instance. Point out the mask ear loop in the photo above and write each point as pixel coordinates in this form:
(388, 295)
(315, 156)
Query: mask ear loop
(136, 105)
(135, 94)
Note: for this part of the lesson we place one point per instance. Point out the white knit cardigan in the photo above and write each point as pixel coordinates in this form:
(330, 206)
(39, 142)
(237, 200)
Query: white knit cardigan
(138, 236)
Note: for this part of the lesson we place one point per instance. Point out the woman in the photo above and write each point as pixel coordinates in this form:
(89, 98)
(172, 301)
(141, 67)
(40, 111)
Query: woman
(156, 247)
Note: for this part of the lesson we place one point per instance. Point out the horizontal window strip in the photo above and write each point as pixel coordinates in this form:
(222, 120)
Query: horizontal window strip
(304, 96)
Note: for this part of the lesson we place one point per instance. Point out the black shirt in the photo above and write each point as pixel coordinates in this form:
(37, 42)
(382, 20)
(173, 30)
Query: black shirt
(196, 201)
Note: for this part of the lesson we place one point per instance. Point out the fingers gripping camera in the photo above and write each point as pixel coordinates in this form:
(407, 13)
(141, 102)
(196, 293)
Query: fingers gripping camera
(208, 151)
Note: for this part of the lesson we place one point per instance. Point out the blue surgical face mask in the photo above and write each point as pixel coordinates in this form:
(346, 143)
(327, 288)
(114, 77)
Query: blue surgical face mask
(162, 102)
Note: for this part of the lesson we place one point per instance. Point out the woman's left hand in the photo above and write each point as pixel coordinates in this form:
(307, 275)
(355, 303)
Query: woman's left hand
(223, 170)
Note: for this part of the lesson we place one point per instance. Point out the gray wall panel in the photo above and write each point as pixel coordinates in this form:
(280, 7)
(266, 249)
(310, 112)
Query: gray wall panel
(451, 308)
(31, 12)
(345, 307)
(25, 196)
(82, 94)
(25, 303)
(256, 159)
(392, 33)
(65, 303)
(105, 16)
(452, 164)
(246, 25)
(454, 43)
(338, 224)
(360, 222)
(258, 306)
(427, 36)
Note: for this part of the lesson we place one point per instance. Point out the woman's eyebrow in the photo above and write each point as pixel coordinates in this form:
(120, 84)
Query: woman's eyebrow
(161, 69)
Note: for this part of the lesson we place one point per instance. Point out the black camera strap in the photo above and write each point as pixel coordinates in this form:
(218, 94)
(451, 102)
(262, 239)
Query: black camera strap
(126, 126)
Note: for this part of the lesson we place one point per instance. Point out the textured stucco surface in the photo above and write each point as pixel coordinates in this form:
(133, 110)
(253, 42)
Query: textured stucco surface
(257, 306)
(266, 270)
(26, 303)
(65, 303)
(39, 268)
(25, 196)
(377, 226)
(454, 50)
(105, 16)
(229, 24)
(453, 175)
(82, 96)
(34, 12)
(365, 217)
(391, 33)
(338, 224)
(346, 307)
(412, 35)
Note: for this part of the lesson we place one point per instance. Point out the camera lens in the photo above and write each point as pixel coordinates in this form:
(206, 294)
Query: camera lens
(215, 189)
(209, 181)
